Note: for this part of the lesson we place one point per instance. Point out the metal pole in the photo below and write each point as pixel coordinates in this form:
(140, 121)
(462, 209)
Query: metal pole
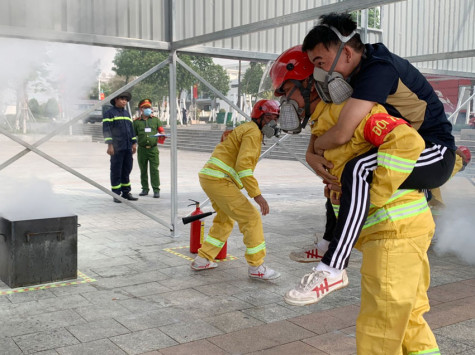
(460, 107)
(173, 143)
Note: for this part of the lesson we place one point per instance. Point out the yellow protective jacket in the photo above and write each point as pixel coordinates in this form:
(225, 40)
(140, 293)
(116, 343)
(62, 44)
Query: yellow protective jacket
(236, 158)
(392, 212)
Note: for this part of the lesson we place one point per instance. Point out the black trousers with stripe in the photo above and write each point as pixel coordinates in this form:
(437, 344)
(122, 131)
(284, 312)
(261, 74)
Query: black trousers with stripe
(120, 169)
(433, 168)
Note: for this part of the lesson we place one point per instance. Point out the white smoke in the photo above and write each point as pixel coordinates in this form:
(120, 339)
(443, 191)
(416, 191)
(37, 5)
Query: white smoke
(64, 71)
(455, 231)
(31, 198)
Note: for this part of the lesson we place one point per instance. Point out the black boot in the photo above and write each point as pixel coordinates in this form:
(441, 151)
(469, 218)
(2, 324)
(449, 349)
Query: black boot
(128, 196)
(143, 193)
(156, 194)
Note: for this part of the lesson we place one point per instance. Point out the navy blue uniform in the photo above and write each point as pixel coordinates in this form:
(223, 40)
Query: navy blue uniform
(404, 92)
(118, 130)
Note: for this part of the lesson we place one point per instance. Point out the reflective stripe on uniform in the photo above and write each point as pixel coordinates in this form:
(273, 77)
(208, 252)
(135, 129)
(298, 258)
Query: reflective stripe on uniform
(250, 251)
(398, 194)
(398, 212)
(211, 172)
(395, 163)
(116, 187)
(227, 168)
(435, 351)
(128, 184)
(395, 196)
(244, 173)
(336, 209)
(213, 241)
(118, 118)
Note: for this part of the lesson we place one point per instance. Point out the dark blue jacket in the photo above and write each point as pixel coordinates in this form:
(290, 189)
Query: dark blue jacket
(118, 129)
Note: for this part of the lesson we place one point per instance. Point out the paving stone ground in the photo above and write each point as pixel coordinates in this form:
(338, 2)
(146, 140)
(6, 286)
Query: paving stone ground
(143, 298)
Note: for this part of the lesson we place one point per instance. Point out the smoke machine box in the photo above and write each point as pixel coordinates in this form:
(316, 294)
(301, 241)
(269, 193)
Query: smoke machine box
(38, 251)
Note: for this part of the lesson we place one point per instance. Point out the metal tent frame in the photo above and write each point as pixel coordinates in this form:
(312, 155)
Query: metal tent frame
(194, 44)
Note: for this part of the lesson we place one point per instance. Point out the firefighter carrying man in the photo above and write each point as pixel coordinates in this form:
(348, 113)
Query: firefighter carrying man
(230, 168)
(395, 272)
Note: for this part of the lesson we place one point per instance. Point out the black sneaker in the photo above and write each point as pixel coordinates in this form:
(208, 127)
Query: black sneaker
(128, 196)
(143, 193)
(156, 194)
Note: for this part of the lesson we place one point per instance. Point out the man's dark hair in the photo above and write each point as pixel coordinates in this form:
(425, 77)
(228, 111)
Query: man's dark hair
(323, 34)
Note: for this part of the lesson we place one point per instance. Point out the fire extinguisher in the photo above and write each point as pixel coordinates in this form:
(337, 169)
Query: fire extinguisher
(197, 229)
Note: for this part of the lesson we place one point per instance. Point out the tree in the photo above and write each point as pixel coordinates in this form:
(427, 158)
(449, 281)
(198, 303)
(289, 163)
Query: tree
(51, 108)
(34, 107)
(252, 79)
(131, 63)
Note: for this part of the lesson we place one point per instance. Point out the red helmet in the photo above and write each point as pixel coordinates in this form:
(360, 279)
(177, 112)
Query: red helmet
(292, 64)
(265, 106)
(465, 153)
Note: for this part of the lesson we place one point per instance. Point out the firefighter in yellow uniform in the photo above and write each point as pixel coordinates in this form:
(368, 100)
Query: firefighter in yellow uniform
(231, 168)
(395, 236)
(394, 240)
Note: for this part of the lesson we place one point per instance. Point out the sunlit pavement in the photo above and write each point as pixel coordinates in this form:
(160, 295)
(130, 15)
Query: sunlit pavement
(138, 294)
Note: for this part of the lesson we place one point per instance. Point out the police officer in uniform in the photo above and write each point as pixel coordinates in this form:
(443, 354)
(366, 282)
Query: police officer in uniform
(145, 126)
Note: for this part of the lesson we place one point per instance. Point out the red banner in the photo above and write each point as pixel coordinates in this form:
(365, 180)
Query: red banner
(195, 91)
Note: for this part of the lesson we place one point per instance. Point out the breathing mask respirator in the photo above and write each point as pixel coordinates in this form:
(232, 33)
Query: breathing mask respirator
(271, 130)
(290, 113)
(331, 86)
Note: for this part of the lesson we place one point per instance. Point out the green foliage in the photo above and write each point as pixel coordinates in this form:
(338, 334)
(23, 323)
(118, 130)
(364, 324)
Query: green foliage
(252, 79)
(131, 63)
(34, 107)
(51, 108)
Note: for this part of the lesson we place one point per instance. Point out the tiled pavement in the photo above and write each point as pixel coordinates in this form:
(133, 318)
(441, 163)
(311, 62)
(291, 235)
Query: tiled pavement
(143, 299)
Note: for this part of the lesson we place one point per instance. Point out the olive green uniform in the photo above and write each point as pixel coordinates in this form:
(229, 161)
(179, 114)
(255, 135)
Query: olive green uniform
(147, 152)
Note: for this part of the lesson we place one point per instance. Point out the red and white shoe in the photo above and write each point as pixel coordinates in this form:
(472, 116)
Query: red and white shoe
(262, 272)
(202, 264)
(314, 286)
(308, 255)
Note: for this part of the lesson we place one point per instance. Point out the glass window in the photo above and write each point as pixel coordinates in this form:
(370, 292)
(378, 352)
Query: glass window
(374, 17)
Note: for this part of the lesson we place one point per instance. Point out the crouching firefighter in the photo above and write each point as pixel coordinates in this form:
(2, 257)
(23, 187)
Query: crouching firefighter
(230, 168)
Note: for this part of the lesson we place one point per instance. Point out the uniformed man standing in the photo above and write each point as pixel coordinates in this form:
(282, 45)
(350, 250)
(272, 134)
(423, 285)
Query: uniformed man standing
(146, 126)
(121, 143)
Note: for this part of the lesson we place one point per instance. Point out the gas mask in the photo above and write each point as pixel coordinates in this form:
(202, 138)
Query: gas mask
(270, 129)
(331, 86)
(289, 117)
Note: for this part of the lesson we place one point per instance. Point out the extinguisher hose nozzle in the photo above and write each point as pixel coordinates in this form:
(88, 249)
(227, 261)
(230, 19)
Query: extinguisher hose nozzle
(196, 217)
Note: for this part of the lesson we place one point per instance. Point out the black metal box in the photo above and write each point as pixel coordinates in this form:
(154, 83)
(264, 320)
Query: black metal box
(38, 251)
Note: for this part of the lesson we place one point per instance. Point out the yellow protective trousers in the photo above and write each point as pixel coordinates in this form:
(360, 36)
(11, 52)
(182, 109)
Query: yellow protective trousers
(231, 205)
(395, 276)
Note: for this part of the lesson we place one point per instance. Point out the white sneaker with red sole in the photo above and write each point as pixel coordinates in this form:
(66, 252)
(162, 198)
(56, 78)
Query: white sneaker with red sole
(262, 272)
(310, 254)
(202, 264)
(314, 286)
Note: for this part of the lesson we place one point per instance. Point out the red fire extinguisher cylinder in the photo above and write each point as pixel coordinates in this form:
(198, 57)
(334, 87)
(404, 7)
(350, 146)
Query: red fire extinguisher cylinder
(196, 230)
